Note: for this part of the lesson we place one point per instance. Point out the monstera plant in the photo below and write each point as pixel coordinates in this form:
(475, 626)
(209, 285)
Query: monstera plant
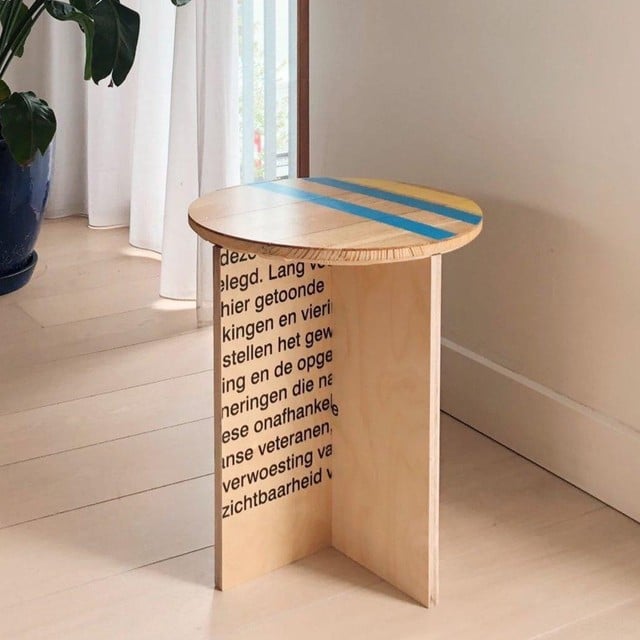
(28, 123)
(111, 34)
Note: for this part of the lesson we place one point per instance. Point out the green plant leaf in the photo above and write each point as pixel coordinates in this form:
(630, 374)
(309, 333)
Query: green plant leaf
(64, 11)
(86, 6)
(5, 92)
(115, 40)
(13, 20)
(28, 125)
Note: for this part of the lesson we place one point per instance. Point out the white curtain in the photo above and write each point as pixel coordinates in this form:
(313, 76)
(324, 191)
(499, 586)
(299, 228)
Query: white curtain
(138, 154)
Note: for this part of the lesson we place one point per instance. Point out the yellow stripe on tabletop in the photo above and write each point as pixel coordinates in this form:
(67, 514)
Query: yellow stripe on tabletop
(416, 191)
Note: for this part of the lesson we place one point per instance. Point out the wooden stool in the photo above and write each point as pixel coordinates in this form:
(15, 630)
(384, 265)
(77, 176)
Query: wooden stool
(327, 372)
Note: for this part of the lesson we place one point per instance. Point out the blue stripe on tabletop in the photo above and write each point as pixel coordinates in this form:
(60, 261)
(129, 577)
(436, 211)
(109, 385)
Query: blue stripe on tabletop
(424, 205)
(364, 212)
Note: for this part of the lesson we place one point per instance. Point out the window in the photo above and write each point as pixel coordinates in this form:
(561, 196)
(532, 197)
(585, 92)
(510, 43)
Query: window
(268, 105)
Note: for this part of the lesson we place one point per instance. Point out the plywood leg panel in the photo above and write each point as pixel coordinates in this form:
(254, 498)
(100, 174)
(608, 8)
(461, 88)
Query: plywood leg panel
(272, 414)
(386, 438)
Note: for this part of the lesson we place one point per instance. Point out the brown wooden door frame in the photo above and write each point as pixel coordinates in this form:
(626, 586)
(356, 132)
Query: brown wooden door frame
(303, 88)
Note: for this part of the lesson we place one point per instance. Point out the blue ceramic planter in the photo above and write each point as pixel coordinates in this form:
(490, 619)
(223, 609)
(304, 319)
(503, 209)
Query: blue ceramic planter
(23, 196)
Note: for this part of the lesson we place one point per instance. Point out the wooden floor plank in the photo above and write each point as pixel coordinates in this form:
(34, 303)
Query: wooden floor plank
(69, 243)
(173, 599)
(53, 554)
(101, 418)
(76, 277)
(82, 246)
(14, 322)
(557, 565)
(45, 344)
(618, 623)
(89, 411)
(117, 297)
(511, 493)
(170, 599)
(530, 582)
(72, 235)
(92, 374)
(81, 477)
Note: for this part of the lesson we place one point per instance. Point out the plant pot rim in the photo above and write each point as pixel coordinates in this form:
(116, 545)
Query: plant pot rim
(15, 280)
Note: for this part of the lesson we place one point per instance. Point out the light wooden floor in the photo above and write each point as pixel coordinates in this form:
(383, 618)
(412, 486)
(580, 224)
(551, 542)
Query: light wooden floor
(106, 493)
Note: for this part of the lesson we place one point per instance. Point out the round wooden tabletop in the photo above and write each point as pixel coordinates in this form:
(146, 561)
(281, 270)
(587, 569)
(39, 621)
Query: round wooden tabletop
(336, 221)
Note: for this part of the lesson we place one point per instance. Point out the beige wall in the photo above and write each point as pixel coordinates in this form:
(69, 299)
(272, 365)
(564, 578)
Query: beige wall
(532, 108)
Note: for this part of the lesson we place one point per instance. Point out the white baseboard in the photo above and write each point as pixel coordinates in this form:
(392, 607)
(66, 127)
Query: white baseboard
(592, 451)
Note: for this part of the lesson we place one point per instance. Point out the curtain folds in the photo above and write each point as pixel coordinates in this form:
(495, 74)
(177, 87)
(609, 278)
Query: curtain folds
(138, 154)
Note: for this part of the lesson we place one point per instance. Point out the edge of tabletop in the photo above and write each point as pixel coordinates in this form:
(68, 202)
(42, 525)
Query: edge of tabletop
(335, 256)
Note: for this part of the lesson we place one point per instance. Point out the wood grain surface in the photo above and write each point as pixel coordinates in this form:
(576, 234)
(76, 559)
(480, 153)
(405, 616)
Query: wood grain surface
(336, 221)
(386, 436)
(384, 428)
(263, 354)
(523, 554)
